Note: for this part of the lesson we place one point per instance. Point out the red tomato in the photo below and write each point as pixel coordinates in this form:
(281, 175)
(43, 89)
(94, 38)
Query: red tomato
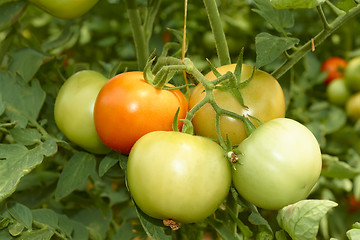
(127, 108)
(335, 67)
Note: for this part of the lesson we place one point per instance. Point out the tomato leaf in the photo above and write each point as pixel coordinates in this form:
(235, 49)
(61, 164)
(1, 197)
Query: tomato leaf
(75, 174)
(26, 136)
(10, 12)
(270, 47)
(286, 4)
(106, 163)
(353, 234)
(346, 5)
(279, 19)
(301, 220)
(20, 213)
(220, 227)
(334, 168)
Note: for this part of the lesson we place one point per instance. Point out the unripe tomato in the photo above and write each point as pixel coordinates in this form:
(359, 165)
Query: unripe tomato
(127, 108)
(279, 164)
(178, 176)
(263, 96)
(74, 107)
(352, 74)
(352, 107)
(65, 9)
(337, 92)
(335, 68)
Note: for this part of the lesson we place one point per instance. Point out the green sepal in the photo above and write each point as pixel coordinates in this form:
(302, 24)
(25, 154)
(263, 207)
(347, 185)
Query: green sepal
(238, 68)
(163, 77)
(187, 127)
(148, 75)
(213, 69)
(175, 125)
(246, 82)
(249, 126)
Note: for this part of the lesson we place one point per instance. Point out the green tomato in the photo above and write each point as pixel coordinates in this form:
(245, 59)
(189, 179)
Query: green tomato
(338, 92)
(352, 74)
(279, 164)
(178, 176)
(65, 9)
(353, 107)
(74, 107)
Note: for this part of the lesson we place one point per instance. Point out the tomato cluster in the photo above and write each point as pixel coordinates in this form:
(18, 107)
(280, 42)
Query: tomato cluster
(343, 89)
(183, 177)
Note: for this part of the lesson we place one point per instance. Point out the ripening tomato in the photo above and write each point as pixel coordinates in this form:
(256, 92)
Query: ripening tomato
(263, 96)
(74, 107)
(65, 9)
(352, 107)
(335, 68)
(352, 74)
(279, 164)
(127, 108)
(178, 176)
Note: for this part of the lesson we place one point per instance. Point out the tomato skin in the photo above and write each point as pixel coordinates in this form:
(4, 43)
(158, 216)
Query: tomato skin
(337, 92)
(352, 74)
(280, 162)
(335, 68)
(352, 107)
(263, 96)
(178, 176)
(127, 108)
(65, 9)
(74, 107)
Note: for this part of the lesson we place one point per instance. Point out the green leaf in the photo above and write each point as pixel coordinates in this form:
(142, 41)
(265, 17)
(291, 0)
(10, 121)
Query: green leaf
(270, 47)
(286, 4)
(46, 216)
(108, 162)
(43, 234)
(75, 174)
(346, 5)
(353, 234)
(125, 231)
(2, 105)
(221, 229)
(16, 229)
(80, 231)
(356, 187)
(279, 19)
(65, 225)
(23, 102)
(25, 136)
(10, 12)
(26, 62)
(21, 161)
(334, 168)
(20, 213)
(301, 220)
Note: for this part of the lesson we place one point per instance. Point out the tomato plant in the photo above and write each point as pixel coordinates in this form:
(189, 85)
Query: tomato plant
(178, 176)
(334, 67)
(279, 164)
(127, 108)
(263, 97)
(353, 107)
(352, 74)
(74, 108)
(337, 92)
(67, 9)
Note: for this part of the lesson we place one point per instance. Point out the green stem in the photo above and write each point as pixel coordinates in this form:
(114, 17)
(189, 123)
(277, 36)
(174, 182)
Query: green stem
(141, 43)
(218, 31)
(319, 38)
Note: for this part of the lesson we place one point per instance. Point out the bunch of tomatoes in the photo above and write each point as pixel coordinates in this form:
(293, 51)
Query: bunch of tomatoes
(343, 84)
(184, 177)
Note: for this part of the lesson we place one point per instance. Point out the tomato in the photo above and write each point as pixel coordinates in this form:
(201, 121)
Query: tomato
(127, 108)
(74, 108)
(352, 74)
(65, 9)
(335, 67)
(337, 92)
(279, 164)
(353, 204)
(263, 96)
(352, 107)
(178, 176)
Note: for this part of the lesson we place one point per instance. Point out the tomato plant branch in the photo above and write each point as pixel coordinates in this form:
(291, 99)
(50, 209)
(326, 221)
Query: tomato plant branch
(141, 43)
(218, 31)
(318, 39)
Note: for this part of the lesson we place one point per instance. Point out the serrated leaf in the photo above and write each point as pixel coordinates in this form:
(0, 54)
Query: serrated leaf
(287, 4)
(25, 136)
(21, 161)
(334, 168)
(20, 213)
(301, 220)
(26, 62)
(48, 147)
(154, 228)
(279, 19)
(107, 163)
(75, 174)
(270, 47)
(46, 216)
(22, 101)
(10, 12)
(353, 234)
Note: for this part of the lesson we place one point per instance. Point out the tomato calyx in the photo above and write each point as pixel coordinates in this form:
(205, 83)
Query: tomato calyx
(172, 224)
